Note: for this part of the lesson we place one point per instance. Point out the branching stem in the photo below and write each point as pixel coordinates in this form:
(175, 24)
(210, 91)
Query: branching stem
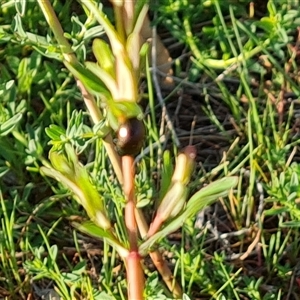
(135, 274)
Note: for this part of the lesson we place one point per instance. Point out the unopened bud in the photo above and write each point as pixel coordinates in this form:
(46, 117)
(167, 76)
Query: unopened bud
(170, 206)
(101, 220)
(185, 165)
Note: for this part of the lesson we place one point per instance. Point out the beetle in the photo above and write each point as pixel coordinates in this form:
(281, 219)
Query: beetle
(130, 137)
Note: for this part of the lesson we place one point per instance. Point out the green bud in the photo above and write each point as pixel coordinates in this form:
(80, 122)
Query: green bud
(185, 165)
(101, 220)
(170, 206)
(173, 201)
(104, 56)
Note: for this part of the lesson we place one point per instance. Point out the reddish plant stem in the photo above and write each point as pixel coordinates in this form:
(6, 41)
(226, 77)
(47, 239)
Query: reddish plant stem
(158, 260)
(135, 274)
(128, 188)
(165, 272)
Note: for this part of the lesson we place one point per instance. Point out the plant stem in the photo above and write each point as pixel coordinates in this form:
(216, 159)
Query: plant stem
(158, 259)
(57, 30)
(89, 100)
(135, 274)
(96, 116)
(166, 274)
(128, 187)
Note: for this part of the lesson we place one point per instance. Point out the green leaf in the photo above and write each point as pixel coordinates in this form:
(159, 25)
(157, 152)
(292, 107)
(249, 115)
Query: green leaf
(215, 189)
(122, 110)
(53, 252)
(141, 10)
(74, 176)
(145, 247)
(10, 124)
(267, 23)
(92, 83)
(93, 230)
(25, 75)
(8, 91)
(185, 297)
(107, 26)
(294, 224)
(101, 129)
(197, 202)
(79, 269)
(104, 296)
(276, 211)
(55, 132)
(71, 278)
(106, 78)
(127, 84)
(104, 56)
(133, 40)
(294, 182)
(166, 174)
(93, 32)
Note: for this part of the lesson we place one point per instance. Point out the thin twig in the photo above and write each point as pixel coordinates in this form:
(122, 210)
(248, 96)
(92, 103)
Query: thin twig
(292, 280)
(252, 246)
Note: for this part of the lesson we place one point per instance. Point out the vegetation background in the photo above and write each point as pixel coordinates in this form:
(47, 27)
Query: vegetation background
(236, 97)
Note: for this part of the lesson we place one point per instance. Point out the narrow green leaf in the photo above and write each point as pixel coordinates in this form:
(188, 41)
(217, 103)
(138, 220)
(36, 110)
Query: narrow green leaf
(145, 247)
(141, 11)
(9, 125)
(53, 252)
(72, 174)
(293, 224)
(213, 189)
(197, 202)
(93, 230)
(55, 132)
(107, 25)
(106, 78)
(80, 268)
(20, 6)
(120, 110)
(101, 129)
(276, 211)
(93, 32)
(92, 83)
(166, 174)
(127, 85)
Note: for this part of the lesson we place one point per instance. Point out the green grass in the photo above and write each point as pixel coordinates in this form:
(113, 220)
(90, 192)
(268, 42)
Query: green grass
(241, 72)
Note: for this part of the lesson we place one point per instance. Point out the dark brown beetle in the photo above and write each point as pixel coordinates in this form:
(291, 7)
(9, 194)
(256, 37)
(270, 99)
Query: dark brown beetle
(130, 137)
